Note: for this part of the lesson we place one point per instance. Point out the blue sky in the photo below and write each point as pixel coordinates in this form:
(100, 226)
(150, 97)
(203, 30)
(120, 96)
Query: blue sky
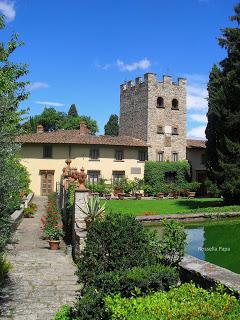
(80, 51)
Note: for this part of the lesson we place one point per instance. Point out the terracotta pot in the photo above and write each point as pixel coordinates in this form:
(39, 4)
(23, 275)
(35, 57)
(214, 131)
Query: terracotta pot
(54, 244)
(160, 195)
(138, 196)
(121, 196)
(108, 196)
(191, 194)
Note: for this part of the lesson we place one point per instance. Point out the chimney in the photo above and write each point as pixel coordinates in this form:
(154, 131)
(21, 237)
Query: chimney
(40, 128)
(83, 128)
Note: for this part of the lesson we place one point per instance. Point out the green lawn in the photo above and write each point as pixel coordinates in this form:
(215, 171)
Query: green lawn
(168, 206)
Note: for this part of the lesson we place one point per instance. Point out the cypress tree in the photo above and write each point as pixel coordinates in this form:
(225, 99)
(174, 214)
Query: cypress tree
(73, 110)
(112, 127)
(223, 129)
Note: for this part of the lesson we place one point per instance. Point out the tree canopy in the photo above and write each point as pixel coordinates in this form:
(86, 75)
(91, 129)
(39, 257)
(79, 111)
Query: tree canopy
(112, 127)
(52, 120)
(222, 132)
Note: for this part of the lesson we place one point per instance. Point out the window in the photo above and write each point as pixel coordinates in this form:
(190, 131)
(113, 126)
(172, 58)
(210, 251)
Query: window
(170, 177)
(93, 176)
(174, 156)
(142, 155)
(160, 130)
(175, 104)
(160, 102)
(118, 175)
(119, 155)
(160, 156)
(47, 151)
(203, 158)
(175, 131)
(94, 154)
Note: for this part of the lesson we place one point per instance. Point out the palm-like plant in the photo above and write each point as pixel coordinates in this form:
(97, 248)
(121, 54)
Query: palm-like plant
(94, 210)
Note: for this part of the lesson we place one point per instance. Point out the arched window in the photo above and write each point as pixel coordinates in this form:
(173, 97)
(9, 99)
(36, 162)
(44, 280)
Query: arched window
(175, 104)
(160, 102)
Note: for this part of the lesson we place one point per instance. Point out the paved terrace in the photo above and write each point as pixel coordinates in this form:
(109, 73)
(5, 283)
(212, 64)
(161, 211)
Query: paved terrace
(41, 280)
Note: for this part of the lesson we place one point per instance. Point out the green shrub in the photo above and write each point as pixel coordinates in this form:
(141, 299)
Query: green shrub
(118, 242)
(28, 212)
(33, 206)
(147, 279)
(5, 267)
(64, 314)
(184, 303)
(154, 175)
(172, 244)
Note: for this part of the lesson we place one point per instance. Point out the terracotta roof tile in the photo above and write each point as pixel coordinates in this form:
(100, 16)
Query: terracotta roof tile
(193, 144)
(74, 137)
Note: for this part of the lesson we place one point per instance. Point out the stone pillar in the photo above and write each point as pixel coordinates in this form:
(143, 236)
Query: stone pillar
(79, 225)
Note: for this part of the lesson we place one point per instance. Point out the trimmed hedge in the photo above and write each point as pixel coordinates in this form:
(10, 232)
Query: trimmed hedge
(147, 279)
(129, 283)
(184, 303)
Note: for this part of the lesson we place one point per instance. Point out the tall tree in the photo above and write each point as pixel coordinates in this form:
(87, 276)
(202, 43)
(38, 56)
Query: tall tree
(73, 110)
(112, 127)
(223, 146)
(12, 91)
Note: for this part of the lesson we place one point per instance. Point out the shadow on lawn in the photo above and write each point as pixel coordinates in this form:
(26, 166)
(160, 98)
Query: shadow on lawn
(195, 204)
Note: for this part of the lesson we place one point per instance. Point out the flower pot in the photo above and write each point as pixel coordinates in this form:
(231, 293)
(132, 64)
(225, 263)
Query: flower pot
(54, 244)
(108, 196)
(160, 195)
(191, 194)
(138, 196)
(121, 196)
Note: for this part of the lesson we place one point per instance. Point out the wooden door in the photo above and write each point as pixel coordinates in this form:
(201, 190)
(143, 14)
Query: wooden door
(46, 182)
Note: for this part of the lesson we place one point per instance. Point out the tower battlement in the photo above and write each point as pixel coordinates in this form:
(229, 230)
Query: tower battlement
(155, 111)
(151, 78)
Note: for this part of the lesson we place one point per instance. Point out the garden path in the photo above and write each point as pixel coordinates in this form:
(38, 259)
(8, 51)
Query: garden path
(41, 280)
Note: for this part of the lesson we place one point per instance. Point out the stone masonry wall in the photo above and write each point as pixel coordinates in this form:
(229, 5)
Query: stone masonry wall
(140, 116)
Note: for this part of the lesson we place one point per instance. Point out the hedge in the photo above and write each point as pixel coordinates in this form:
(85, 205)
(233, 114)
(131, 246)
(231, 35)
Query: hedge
(184, 303)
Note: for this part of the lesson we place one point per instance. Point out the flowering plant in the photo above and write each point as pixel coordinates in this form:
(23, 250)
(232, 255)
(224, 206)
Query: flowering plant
(53, 232)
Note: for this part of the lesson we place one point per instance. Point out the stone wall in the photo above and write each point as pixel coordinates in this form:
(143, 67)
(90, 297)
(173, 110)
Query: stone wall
(140, 117)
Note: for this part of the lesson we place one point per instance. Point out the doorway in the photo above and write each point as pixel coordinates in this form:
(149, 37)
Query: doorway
(47, 182)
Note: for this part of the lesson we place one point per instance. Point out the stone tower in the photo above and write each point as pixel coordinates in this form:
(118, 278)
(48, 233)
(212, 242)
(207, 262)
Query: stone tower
(155, 112)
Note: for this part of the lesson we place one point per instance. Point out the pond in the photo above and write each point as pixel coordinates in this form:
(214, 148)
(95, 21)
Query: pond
(217, 242)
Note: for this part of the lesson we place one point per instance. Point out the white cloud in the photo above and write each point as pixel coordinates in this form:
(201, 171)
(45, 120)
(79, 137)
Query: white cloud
(198, 117)
(141, 64)
(50, 104)
(7, 9)
(37, 85)
(197, 92)
(197, 132)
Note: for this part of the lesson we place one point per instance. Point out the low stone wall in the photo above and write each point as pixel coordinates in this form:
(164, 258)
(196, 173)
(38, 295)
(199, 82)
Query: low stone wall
(208, 275)
(17, 215)
(188, 216)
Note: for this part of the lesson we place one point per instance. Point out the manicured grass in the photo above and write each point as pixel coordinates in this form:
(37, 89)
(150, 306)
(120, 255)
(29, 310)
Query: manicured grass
(168, 206)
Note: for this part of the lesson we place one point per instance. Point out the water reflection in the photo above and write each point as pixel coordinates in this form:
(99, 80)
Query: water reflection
(216, 242)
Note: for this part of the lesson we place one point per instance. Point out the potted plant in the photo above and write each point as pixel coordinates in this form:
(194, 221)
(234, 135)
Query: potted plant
(193, 186)
(94, 210)
(28, 212)
(54, 234)
(147, 190)
(117, 187)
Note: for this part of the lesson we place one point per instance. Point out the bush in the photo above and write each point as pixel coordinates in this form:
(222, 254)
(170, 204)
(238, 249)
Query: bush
(172, 244)
(184, 303)
(155, 171)
(5, 267)
(28, 212)
(129, 283)
(116, 243)
(64, 313)
(146, 279)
